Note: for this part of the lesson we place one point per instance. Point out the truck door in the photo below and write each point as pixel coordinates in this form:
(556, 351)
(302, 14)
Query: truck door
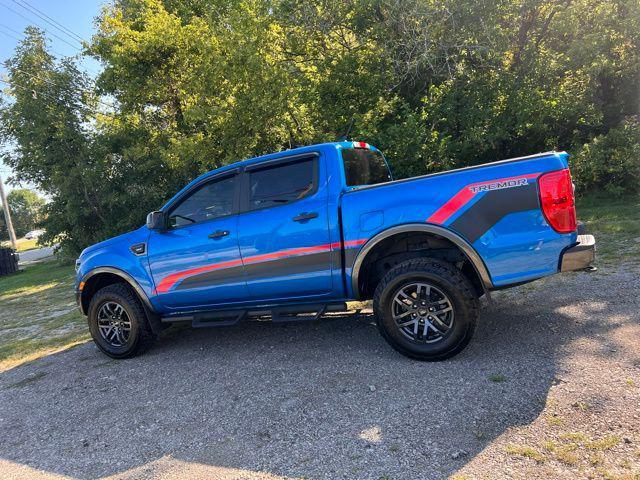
(196, 261)
(284, 229)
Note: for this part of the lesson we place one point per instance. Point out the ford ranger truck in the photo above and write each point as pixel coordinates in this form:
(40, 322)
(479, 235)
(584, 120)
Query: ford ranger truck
(296, 234)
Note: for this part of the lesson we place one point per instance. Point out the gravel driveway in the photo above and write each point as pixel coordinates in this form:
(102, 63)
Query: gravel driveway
(548, 388)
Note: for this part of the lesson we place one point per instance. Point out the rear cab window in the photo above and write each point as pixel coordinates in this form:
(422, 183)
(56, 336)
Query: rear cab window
(281, 184)
(363, 166)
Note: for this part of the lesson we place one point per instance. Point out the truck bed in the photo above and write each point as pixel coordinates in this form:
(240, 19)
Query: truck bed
(495, 207)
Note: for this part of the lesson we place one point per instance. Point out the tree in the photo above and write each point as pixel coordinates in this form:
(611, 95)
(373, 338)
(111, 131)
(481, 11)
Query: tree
(191, 86)
(52, 124)
(26, 212)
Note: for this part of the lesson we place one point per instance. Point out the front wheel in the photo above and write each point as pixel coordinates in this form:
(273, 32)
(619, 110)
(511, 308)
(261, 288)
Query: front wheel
(118, 323)
(426, 309)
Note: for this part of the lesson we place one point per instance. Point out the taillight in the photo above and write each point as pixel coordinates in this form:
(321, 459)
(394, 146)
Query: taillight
(557, 201)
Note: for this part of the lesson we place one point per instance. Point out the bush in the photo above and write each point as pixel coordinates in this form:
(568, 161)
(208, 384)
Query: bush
(611, 162)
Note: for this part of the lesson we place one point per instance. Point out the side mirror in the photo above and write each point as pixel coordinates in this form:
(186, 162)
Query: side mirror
(156, 221)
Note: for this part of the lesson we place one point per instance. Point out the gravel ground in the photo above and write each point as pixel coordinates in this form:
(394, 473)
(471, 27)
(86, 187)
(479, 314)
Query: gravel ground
(549, 388)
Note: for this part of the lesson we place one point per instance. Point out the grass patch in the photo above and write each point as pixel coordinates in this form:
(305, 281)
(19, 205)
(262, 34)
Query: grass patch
(616, 225)
(595, 460)
(23, 244)
(525, 451)
(497, 378)
(575, 437)
(38, 314)
(582, 406)
(566, 455)
(606, 443)
(554, 421)
(34, 277)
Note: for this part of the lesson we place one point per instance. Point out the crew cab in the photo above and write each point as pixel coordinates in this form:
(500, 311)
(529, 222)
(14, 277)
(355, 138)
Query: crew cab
(296, 234)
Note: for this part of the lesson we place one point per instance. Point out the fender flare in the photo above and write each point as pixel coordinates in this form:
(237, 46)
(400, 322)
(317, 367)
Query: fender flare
(126, 277)
(460, 242)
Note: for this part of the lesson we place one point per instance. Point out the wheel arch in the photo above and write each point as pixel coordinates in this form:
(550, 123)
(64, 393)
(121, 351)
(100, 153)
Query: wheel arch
(437, 231)
(100, 277)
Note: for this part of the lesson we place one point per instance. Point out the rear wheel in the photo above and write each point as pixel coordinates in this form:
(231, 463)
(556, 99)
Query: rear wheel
(426, 309)
(118, 323)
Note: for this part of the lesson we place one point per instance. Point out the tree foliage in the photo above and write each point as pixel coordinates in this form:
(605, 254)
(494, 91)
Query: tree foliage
(435, 84)
(26, 209)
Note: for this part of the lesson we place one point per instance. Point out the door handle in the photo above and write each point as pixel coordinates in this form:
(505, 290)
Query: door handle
(305, 216)
(219, 234)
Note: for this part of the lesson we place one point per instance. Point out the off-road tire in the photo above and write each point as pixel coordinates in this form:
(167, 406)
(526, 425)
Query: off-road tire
(141, 336)
(450, 281)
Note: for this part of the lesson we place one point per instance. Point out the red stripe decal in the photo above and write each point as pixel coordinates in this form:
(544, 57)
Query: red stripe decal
(452, 206)
(463, 197)
(353, 243)
(170, 280)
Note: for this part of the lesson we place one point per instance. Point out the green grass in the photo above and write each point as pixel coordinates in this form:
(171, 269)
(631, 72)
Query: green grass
(36, 276)
(615, 222)
(38, 314)
(525, 451)
(23, 244)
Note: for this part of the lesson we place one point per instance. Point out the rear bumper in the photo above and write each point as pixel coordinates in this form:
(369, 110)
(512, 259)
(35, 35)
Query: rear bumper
(580, 256)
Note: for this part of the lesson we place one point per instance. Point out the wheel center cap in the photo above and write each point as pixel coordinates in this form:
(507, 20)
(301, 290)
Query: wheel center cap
(422, 311)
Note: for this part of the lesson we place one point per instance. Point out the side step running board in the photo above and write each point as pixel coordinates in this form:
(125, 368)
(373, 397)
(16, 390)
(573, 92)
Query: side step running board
(286, 314)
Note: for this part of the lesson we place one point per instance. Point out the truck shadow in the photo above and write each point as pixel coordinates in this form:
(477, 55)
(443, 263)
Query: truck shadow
(327, 400)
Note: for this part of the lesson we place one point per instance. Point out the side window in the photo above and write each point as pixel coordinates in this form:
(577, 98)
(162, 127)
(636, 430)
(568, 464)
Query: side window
(212, 200)
(281, 184)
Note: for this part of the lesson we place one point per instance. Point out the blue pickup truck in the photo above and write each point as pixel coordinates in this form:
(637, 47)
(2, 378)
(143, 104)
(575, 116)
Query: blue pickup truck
(296, 234)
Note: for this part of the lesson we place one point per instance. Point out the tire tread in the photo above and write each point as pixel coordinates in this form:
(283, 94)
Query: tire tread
(444, 270)
(146, 337)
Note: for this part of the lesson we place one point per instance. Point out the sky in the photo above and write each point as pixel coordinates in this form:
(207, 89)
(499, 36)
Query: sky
(77, 17)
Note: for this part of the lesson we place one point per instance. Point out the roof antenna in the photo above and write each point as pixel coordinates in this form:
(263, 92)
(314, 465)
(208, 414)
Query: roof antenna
(345, 137)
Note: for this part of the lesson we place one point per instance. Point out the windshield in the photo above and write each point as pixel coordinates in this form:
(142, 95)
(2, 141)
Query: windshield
(364, 167)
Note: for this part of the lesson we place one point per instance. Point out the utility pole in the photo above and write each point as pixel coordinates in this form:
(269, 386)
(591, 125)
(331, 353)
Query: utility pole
(7, 216)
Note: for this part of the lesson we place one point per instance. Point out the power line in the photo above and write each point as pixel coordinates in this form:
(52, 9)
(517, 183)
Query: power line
(20, 39)
(4, 64)
(49, 32)
(10, 29)
(60, 55)
(25, 89)
(10, 36)
(54, 23)
(35, 77)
